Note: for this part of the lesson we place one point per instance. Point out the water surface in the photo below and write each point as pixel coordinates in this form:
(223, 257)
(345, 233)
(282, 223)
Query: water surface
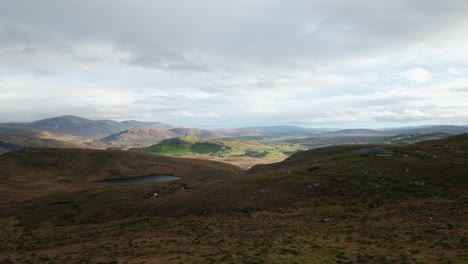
(139, 179)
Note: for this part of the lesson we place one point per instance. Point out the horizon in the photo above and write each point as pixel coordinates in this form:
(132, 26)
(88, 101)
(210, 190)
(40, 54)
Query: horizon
(243, 127)
(221, 64)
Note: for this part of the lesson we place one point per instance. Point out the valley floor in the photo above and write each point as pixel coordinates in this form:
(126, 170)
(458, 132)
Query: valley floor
(241, 162)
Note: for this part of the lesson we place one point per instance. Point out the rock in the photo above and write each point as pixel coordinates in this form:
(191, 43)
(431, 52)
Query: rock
(419, 183)
(326, 219)
(316, 185)
(446, 226)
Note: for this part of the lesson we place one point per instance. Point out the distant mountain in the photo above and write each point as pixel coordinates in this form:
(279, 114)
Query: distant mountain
(140, 124)
(405, 139)
(135, 137)
(72, 125)
(357, 133)
(78, 126)
(286, 130)
(432, 129)
(12, 129)
(216, 133)
(139, 136)
(15, 142)
(323, 141)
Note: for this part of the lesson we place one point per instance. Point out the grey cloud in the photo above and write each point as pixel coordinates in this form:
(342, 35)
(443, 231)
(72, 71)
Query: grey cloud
(258, 32)
(287, 55)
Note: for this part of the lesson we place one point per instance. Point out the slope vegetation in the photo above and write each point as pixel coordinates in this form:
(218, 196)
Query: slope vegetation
(189, 146)
(340, 204)
(14, 142)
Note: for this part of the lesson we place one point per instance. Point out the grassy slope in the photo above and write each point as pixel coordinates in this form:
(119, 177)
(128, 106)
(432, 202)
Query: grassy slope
(188, 146)
(14, 142)
(327, 205)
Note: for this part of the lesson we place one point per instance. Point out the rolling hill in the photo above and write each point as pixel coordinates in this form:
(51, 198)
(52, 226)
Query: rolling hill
(341, 139)
(340, 204)
(6, 129)
(15, 142)
(82, 127)
(449, 129)
(286, 130)
(134, 137)
(40, 170)
(190, 146)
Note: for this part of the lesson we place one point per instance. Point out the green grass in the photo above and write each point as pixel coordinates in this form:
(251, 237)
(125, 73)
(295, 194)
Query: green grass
(188, 146)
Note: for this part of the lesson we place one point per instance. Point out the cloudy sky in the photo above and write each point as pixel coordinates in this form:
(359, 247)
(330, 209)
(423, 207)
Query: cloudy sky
(216, 63)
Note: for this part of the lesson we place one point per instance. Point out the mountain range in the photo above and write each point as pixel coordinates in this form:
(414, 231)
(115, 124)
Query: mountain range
(131, 133)
(82, 127)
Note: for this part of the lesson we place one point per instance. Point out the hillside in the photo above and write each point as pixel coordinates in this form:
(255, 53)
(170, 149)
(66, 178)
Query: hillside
(449, 129)
(24, 131)
(286, 130)
(80, 127)
(139, 136)
(341, 139)
(406, 139)
(190, 146)
(340, 204)
(14, 142)
(73, 125)
(216, 133)
(356, 133)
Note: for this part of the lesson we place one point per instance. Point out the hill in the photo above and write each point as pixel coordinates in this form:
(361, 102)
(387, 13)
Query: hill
(286, 130)
(216, 133)
(356, 133)
(190, 146)
(342, 139)
(65, 168)
(406, 139)
(340, 204)
(139, 136)
(24, 131)
(82, 127)
(432, 129)
(72, 125)
(14, 142)
(136, 137)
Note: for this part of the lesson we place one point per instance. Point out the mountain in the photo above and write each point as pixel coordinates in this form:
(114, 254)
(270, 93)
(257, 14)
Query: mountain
(286, 130)
(134, 137)
(147, 136)
(406, 139)
(432, 129)
(15, 142)
(81, 127)
(323, 141)
(360, 132)
(441, 129)
(72, 125)
(13, 129)
(140, 124)
(216, 133)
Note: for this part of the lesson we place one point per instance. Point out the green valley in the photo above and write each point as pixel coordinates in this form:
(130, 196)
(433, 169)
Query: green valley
(190, 146)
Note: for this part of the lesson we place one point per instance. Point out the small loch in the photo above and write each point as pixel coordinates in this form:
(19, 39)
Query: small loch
(139, 179)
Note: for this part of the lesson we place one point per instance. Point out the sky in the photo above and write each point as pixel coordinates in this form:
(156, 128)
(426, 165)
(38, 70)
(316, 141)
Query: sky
(227, 64)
